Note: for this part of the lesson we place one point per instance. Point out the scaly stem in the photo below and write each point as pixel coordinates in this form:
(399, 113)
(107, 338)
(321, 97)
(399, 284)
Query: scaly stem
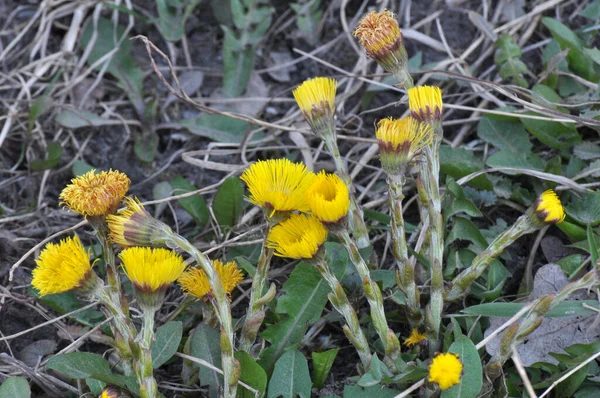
(355, 215)
(373, 294)
(340, 302)
(406, 271)
(143, 364)
(231, 371)
(258, 298)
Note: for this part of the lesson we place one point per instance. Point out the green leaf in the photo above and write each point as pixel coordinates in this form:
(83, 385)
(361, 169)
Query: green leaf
(122, 64)
(459, 162)
(464, 229)
(322, 363)
(290, 378)
(252, 374)
(472, 378)
(166, 342)
(571, 264)
(506, 48)
(54, 152)
(353, 391)
(145, 146)
(377, 370)
(15, 387)
(528, 161)
(161, 190)
(593, 53)
(303, 299)
(228, 202)
(554, 134)
(592, 243)
(194, 205)
(587, 150)
(587, 209)
(508, 135)
(506, 310)
(218, 128)
(547, 97)
(568, 387)
(172, 15)
(64, 303)
(588, 391)
(205, 345)
(80, 167)
(238, 63)
(458, 201)
(96, 386)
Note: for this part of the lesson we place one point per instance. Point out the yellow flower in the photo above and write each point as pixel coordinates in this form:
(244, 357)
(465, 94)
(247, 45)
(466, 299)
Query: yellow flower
(151, 269)
(298, 237)
(425, 103)
(316, 99)
(110, 392)
(63, 267)
(134, 226)
(445, 370)
(194, 281)
(328, 198)
(94, 194)
(278, 184)
(415, 338)
(380, 35)
(400, 140)
(548, 208)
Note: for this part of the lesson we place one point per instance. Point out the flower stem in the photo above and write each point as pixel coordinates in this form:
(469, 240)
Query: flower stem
(230, 366)
(406, 271)
(143, 364)
(340, 302)
(373, 294)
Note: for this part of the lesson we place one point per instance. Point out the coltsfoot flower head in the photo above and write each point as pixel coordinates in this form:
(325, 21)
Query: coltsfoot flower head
(95, 194)
(328, 198)
(400, 140)
(425, 103)
(415, 338)
(113, 392)
(134, 226)
(316, 99)
(151, 271)
(278, 185)
(194, 281)
(64, 267)
(298, 237)
(380, 35)
(548, 208)
(445, 370)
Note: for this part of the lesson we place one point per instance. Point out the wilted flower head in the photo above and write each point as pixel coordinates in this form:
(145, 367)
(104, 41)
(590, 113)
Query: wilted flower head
(425, 103)
(445, 370)
(194, 281)
(400, 140)
(134, 226)
(278, 185)
(415, 338)
(298, 237)
(151, 271)
(64, 267)
(548, 208)
(328, 198)
(95, 194)
(380, 35)
(316, 99)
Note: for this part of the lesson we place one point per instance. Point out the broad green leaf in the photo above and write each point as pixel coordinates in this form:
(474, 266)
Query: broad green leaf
(354, 391)
(80, 167)
(506, 48)
(251, 374)
(303, 299)
(587, 150)
(218, 128)
(554, 134)
(122, 64)
(377, 371)
(172, 16)
(508, 135)
(472, 378)
(506, 310)
(322, 363)
(459, 162)
(464, 229)
(228, 202)
(290, 377)
(547, 97)
(238, 61)
(591, 11)
(15, 387)
(588, 391)
(194, 205)
(68, 302)
(145, 146)
(54, 152)
(571, 264)
(458, 201)
(568, 387)
(528, 161)
(74, 119)
(205, 345)
(96, 386)
(586, 209)
(593, 53)
(166, 342)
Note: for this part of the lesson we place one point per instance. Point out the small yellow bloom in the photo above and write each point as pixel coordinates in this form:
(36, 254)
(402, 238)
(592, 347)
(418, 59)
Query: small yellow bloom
(549, 209)
(316, 99)
(110, 392)
(298, 237)
(151, 269)
(400, 140)
(415, 338)
(62, 267)
(278, 184)
(425, 103)
(134, 226)
(445, 370)
(94, 194)
(328, 198)
(194, 281)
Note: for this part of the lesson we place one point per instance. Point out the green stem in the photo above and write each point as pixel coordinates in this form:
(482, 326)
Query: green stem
(143, 365)
(230, 366)
(373, 294)
(461, 284)
(406, 271)
(340, 302)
